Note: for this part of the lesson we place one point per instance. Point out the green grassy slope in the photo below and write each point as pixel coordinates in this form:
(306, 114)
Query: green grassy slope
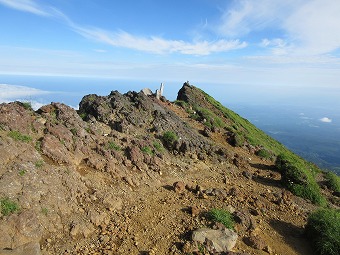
(298, 175)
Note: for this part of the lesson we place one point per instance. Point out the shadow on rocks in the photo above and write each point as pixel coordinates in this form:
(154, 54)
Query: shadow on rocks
(293, 235)
(287, 229)
(168, 187)
(268, 181)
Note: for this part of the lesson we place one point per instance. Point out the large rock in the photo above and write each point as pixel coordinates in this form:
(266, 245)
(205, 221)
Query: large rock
(216, 240)
(14, 116)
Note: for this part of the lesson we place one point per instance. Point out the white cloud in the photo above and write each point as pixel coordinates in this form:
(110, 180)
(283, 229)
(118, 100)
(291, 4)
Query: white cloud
(151, 44)
(305, 118)
(277, 45)
(309, 26)
(314, 25)
(326, 120)
(11, 92)
(158, 45)
(245, 16)
(26, 6)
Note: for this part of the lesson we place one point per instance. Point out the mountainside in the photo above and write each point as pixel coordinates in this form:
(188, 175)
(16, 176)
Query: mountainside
(137, 174)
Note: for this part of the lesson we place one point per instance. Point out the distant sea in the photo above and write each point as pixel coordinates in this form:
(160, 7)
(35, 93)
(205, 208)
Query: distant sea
(306, 120)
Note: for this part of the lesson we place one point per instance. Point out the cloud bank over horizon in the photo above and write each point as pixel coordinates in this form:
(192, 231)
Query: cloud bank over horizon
(10, 93)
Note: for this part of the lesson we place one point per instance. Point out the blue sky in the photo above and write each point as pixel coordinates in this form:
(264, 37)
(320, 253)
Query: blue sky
(254, 50)
(291, 42)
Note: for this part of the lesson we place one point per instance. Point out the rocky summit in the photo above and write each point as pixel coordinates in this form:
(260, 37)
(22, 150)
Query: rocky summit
(137, 174)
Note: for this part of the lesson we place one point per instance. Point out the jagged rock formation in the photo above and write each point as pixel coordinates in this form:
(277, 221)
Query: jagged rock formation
(99, 180)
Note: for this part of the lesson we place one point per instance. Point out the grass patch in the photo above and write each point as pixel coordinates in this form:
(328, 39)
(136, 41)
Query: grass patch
(222, 216)
(22, 172)
(44, 211)
(264, 153)
(158, 146)
(243, 127)
(333, 181)
(83, 115)
(113, 146)
(238, 140)
(182, 104)
(16, 135)
(323, 229)
(212, 120)
(169, 139)
(27, 105)
(8, 207)
(73, 131)
(147, 150)
(39, 163)
(298, 176)
(37, 145)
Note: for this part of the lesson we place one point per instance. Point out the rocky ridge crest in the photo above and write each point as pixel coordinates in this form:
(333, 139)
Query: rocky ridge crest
(100, 180)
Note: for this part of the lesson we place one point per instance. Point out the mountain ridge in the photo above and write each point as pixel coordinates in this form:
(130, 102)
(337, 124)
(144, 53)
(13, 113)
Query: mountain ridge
(100, 179)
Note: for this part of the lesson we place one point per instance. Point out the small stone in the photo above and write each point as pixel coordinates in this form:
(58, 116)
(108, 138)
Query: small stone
(256, 242)
(204, 196)
(234, 191)
(226, 180)
(230, 209)
(268, 249)
(209, 192)
(105, 239)
(195, 211)
(247, 174)
(191, 186)
(179, 187)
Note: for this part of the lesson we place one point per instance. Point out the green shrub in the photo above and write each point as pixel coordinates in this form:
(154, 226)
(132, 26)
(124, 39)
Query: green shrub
(333, 181)
(27, 105)
(147, 150)
(73, 131)
(22, 172)
(299, 177)
(39, 163)
(169, 139)
(83, 115)
(212, 120)
(113, 146)
(264, 153)
(222, 216)
(16, 135)
(8, 207)
(44, 211)
(158, 146)
(38, 145)
(181, 103)
(323, 229)
(238, 140)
